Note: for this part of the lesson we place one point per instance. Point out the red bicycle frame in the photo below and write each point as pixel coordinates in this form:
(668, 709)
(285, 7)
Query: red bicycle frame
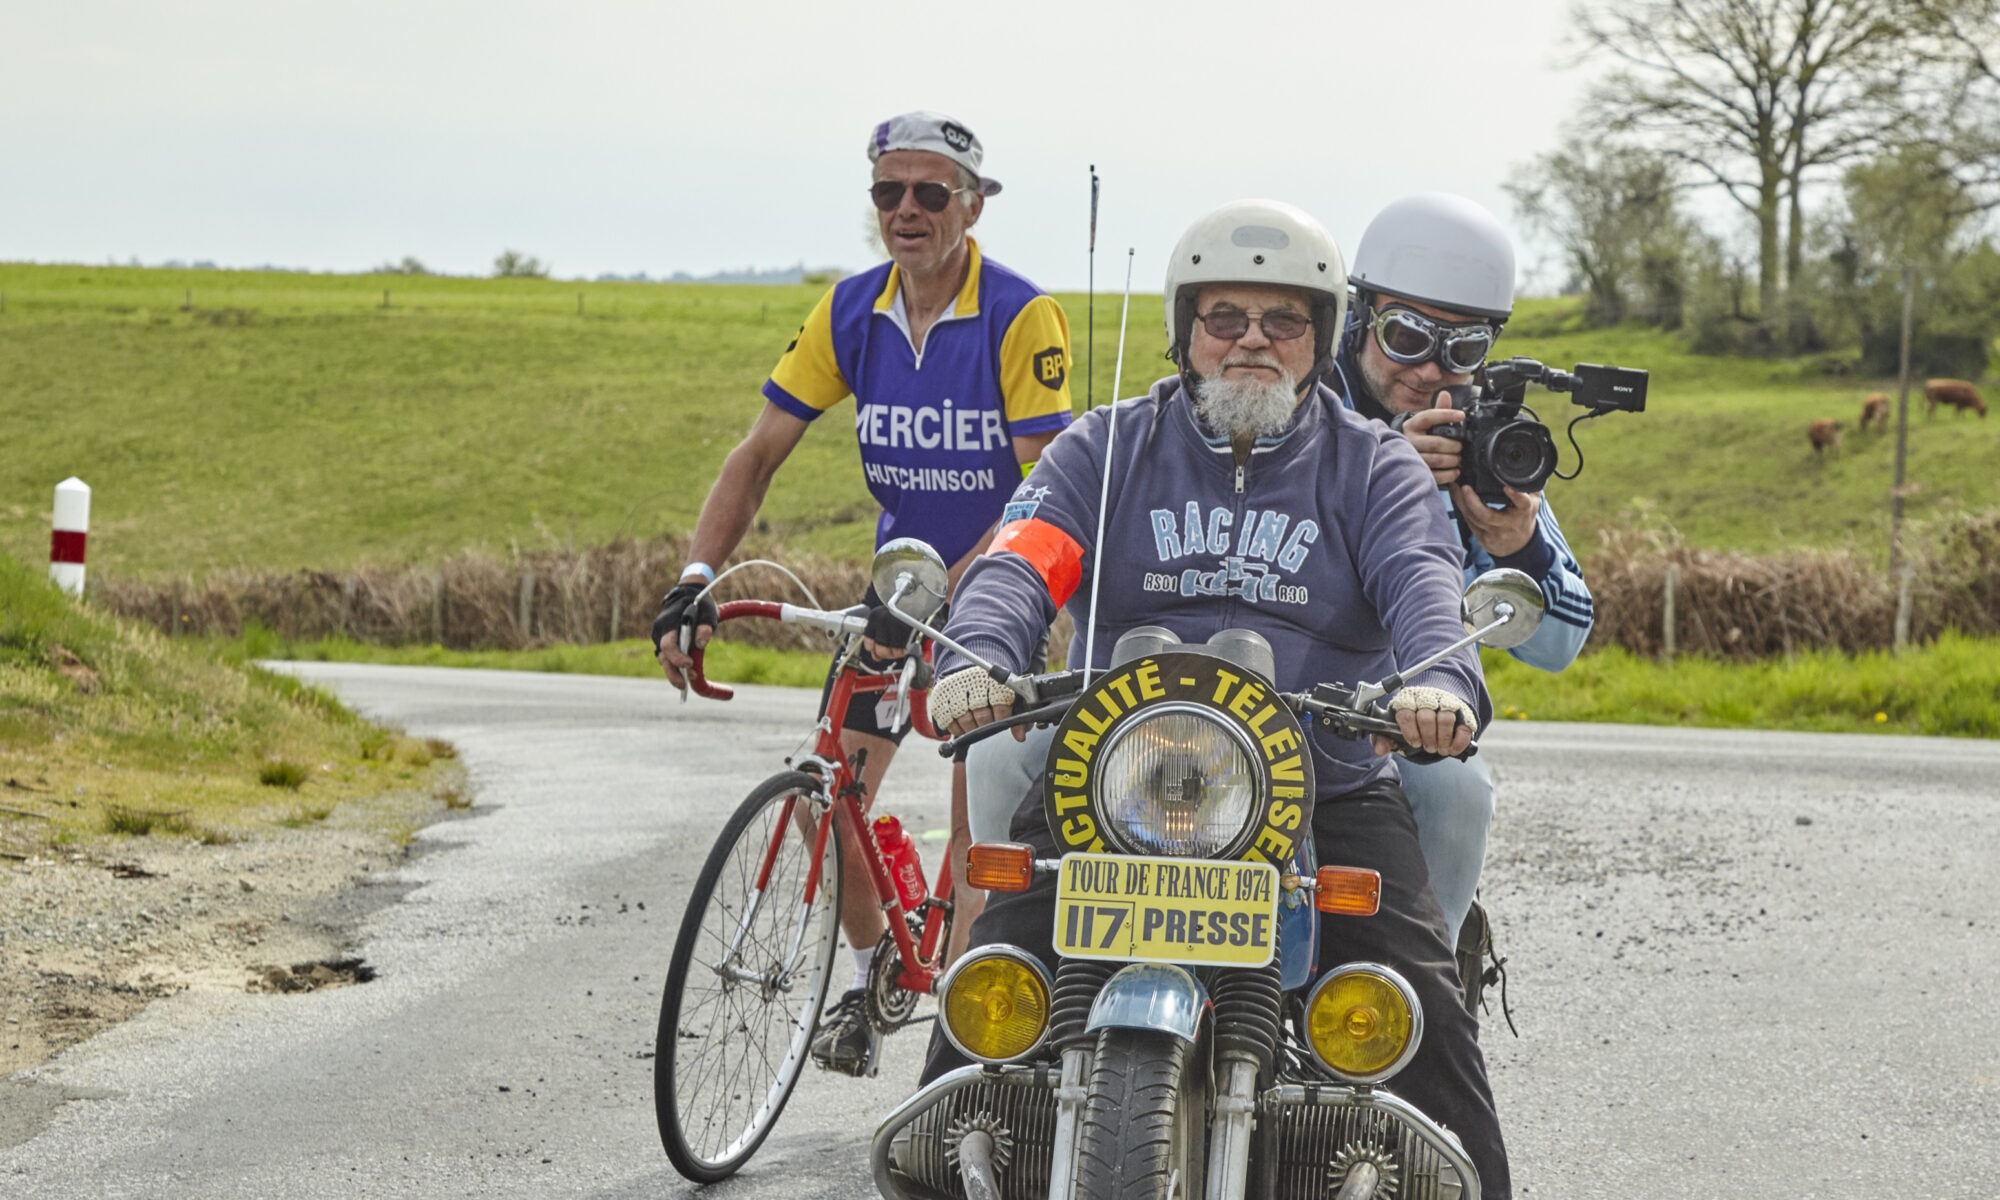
(919, 954)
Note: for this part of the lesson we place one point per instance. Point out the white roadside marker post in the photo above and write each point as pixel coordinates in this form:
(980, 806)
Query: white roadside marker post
(72, 523)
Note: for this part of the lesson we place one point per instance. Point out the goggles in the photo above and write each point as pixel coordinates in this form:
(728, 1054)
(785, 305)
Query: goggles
(1411, 338)
(931, 197)
(1278, 324)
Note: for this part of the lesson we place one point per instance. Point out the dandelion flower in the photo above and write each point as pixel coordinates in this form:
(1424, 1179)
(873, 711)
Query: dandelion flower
(1880, 717)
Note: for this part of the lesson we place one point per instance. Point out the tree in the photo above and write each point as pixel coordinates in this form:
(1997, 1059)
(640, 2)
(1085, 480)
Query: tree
(1756, 97)
(512, 264)
(1614, 215)
(1968, 135)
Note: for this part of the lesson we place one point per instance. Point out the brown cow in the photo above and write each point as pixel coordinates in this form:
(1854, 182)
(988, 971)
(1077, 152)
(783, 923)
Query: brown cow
(1824, 432)
(1875, 411)
(1953, 393)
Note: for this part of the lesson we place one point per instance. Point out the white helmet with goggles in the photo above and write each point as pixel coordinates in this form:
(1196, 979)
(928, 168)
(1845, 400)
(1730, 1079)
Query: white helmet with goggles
(1258, 242)
(1441, 250)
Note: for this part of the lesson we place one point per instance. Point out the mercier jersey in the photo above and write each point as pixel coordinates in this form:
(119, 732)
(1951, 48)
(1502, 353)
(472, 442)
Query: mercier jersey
(936, 428)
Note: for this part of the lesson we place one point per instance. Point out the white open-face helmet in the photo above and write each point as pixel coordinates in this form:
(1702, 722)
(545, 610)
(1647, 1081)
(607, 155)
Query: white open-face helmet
(1260, 242)
(1441, 250)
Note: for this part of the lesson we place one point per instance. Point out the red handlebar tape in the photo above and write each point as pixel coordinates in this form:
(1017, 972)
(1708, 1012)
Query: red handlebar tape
(1053, 554)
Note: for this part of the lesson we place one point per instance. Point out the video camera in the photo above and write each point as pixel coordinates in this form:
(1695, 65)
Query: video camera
(1503, 447)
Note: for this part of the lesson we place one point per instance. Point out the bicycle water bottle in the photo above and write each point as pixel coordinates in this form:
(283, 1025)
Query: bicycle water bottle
(900, 853)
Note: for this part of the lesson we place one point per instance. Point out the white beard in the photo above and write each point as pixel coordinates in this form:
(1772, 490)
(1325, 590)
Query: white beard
(1247, 407)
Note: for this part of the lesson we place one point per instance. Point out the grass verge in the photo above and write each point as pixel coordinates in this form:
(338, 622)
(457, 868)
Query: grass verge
(108, 729)
(1948, 688)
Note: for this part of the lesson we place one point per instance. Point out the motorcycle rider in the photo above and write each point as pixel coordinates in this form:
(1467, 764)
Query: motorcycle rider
(1244, 466)
(1434, 280)
(960, 372)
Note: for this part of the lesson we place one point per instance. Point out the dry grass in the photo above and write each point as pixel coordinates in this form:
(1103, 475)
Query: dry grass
(1748, 607)
(1728, 605)
(474, 601)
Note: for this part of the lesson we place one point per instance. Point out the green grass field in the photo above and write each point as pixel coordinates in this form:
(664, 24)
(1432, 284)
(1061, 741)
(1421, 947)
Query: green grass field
(293, 421)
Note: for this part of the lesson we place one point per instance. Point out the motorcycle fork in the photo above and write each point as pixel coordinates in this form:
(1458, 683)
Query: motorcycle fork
(1230, 1128)
(1071, 1093)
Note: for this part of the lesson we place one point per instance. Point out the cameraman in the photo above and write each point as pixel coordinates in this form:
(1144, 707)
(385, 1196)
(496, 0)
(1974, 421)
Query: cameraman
(1434, 283)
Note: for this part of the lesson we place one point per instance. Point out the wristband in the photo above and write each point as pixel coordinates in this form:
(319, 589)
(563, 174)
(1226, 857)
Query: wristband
(702, 569)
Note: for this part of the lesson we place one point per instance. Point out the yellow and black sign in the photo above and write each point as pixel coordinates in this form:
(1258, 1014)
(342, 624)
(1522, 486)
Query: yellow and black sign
(1231, 695)
(1174, 910)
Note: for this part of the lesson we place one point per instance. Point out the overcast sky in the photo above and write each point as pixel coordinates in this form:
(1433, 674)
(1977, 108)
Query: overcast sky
(702, 136)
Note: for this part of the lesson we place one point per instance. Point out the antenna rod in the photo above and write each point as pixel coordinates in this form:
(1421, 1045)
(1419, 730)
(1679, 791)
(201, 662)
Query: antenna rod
(1090, 320)
(1104, 494)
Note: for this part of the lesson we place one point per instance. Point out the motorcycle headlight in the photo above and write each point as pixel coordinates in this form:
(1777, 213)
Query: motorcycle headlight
(1179, 782)
(994, 1004)
(1364, 1022)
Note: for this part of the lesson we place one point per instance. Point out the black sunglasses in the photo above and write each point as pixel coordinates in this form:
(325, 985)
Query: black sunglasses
(931, 197)
(1412, 339)
(1278, 324)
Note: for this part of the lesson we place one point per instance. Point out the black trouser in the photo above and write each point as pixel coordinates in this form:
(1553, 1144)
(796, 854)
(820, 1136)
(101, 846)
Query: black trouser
(1368, 827)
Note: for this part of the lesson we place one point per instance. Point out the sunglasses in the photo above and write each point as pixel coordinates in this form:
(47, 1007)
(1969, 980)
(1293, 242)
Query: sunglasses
(1278, 324)
(931, 197)
(1410, 338)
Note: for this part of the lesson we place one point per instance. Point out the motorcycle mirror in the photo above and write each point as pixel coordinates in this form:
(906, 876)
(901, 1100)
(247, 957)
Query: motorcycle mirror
(1518, 592)
(929, 581)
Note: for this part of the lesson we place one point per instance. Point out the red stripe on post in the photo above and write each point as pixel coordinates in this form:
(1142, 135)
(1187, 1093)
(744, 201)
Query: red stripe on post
(66, 546)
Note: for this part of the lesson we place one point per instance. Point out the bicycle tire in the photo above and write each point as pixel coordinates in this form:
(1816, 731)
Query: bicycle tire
(724, 1044)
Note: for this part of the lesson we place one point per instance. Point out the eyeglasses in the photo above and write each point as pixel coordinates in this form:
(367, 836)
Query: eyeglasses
(1278, 324)
(1412, 339)
(932, 197)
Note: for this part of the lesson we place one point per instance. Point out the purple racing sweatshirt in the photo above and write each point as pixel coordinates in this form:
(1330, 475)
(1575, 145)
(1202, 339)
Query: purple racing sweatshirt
(1329, 542)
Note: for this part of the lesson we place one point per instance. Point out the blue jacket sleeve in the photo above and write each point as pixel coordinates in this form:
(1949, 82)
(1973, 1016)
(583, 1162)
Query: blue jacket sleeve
(1570, 614)
(1412, 569)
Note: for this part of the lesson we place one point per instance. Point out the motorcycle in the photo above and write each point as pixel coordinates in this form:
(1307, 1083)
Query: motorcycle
(1183, 1046)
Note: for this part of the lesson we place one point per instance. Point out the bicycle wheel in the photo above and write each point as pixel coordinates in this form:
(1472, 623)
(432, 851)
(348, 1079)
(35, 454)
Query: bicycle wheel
(746, 984)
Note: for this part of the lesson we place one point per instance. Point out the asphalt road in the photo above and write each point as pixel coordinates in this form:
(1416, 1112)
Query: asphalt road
(1743, 965)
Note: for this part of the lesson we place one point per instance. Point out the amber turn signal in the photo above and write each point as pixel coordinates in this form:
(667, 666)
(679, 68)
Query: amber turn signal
(1000, 867)
(1348, 891)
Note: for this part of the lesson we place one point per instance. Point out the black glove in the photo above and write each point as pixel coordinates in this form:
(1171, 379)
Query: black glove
(886, 629)
(681, 610)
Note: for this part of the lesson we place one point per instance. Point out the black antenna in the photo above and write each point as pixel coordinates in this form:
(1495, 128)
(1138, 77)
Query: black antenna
(1090, 335)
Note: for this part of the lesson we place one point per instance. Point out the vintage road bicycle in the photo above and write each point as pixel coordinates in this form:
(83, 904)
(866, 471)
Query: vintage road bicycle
(750, 968)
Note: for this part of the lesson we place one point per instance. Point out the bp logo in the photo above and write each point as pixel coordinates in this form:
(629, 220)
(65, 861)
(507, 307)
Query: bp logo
(1051, 365)
(1223, 692)
(956, 136)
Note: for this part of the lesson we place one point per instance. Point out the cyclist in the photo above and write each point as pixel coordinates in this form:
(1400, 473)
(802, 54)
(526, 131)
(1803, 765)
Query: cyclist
(960, 372)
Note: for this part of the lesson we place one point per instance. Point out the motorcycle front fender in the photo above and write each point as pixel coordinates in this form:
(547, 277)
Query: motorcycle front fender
(1155, 996)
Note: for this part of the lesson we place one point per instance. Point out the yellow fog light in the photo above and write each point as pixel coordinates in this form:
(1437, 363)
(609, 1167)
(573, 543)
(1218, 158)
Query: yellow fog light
(994, 1004)
(1364, 1022)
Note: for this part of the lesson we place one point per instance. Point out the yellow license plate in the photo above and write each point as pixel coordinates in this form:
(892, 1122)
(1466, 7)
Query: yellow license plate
(1175, 910)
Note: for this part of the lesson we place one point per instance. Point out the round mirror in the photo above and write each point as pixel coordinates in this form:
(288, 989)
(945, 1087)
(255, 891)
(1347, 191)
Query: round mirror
(1514, 589)
(929, 582)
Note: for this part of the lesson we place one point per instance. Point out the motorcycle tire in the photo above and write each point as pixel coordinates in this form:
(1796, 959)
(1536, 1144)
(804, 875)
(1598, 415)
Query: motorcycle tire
(747, 1032)
(1143, 1125)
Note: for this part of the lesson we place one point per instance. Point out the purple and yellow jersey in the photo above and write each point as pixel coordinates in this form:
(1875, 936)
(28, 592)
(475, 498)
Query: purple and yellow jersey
(936, 428)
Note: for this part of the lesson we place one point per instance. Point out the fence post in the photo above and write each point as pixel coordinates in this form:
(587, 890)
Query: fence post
(1903, 608)
(1667, 622)
(616, 583)
(526, 616)
(437, 608)
(346, 605)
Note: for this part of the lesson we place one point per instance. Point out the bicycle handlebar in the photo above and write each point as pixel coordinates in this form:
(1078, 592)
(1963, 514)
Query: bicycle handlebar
(838, 623)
